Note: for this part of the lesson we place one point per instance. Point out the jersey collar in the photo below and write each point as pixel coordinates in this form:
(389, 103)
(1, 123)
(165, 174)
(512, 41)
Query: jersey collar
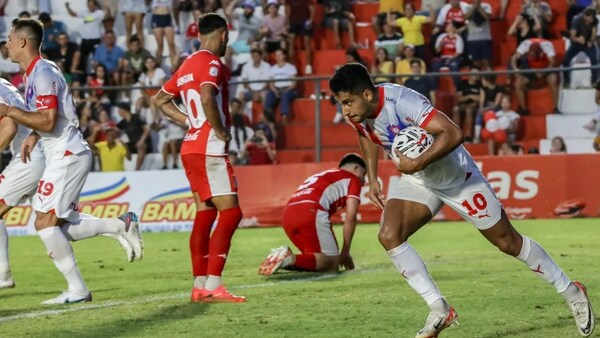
(380, 103)
(32, 65)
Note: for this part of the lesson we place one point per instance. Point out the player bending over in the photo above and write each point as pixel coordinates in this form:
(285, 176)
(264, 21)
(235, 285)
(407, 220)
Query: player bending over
(202, 84)
(50, 113)
(443, 174)
(19, 181)
(306, 220)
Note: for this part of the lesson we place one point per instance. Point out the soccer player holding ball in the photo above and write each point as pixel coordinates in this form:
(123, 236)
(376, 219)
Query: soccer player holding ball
(443, 174)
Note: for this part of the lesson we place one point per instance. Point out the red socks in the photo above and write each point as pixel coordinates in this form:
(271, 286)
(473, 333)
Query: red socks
(199, 240)
(306, 262)
(220, 240)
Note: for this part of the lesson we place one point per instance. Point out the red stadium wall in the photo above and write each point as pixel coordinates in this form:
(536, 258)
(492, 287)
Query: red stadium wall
(528, 186)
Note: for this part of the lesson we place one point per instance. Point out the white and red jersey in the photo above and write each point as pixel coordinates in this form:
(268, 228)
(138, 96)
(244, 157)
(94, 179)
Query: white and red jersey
(450, 46)
(400, 107)
(449, 13)
(542, 60)
(10, 95)
(330, 189)
(202, 67)
(46, 88)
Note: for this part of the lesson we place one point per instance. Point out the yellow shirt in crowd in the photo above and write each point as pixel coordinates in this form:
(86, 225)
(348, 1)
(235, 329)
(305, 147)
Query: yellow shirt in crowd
(395, 5)
(112, 159)
(412, 29)
(403, 67)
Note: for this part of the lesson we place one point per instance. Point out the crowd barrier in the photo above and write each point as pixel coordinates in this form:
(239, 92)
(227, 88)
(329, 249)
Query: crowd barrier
(529, 186)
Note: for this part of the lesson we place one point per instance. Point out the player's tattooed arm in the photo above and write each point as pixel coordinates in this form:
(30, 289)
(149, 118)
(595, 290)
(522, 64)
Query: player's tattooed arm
(41, 120)
(8, 130)
(164, 102)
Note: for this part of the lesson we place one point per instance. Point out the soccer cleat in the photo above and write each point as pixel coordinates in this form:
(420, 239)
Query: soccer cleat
(436, 322)
(8, 283)
(220, 295)
(267, 262)
(68, 297)
(129, 254)
(583, 312)
(197, 295)
(276, 261)
(132, 233)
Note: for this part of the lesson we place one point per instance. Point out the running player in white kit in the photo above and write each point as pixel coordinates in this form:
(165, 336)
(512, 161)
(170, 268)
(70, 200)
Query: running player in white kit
(51, 114)
(19, 182)
(444, 174)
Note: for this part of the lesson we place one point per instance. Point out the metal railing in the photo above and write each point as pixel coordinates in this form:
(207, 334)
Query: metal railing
(319, 90)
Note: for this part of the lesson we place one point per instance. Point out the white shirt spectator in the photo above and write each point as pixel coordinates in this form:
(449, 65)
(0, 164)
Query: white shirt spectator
(250, 72)
(547, 47)
(92, 24)
(155, 80)
(483, 31)
(237, 135)
(287, 71)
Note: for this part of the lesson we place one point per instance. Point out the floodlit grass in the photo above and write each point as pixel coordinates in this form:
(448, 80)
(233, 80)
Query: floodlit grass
(495, 295)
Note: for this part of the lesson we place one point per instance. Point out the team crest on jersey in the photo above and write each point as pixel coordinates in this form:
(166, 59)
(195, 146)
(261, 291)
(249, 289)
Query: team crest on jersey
(213, 71)
(394, 129)
(29, 95)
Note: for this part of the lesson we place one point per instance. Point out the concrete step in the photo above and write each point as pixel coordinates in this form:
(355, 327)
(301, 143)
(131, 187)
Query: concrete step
(568, 126)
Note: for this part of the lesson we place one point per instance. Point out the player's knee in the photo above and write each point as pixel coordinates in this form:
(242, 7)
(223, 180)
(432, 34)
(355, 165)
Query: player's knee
(509, 244)
(390, 236)
(3, 209)
(325, 263)
(43, 221)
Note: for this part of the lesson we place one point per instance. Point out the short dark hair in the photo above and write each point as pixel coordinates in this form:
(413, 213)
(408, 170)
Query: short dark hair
(26, 14)
(257, 51)
(353, 78)
(44, 17)
(589, 12)
(210, 22)
(415, 61)
(353, 158)
(490, 78)
(34, 28)
(134, 38)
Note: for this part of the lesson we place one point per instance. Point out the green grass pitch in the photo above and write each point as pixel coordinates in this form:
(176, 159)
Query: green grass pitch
(495, 295)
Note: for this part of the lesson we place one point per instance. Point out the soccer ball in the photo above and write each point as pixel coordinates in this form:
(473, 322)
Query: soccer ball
(412, 142)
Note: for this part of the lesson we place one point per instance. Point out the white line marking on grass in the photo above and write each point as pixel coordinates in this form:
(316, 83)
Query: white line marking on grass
(108, 304)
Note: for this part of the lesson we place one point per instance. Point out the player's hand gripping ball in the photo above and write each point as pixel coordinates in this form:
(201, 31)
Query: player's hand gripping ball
(411, 142)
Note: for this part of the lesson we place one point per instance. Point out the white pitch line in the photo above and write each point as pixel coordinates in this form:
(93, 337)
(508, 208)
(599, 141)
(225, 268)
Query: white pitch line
(108, 304)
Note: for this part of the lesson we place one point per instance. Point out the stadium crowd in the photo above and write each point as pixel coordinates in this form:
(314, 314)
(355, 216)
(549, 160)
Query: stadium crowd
(124, 122)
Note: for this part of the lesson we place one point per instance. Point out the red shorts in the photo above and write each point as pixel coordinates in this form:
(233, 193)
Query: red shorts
(209, 176)
(309, 228)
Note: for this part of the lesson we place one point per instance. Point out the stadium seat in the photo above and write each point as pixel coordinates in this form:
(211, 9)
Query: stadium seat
(364, 12)
(308, 156)
(539, 102)
(302, 136)
(568, 126)
(531, 128)
(577, 101)
(304, 111)
(574, 146)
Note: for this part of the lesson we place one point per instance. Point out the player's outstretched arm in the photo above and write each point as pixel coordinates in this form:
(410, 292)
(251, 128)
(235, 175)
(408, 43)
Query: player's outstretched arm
(348, 233)
(8, 130)
(40, 120)
(371, 153)
(164, 102)
(208, 95)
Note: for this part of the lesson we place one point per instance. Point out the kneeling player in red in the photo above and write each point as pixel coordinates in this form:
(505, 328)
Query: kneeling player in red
(306, 220)
(202, 84)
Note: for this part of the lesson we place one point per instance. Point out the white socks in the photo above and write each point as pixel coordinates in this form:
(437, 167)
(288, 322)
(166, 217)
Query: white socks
(542, 265)
(59, 249)
(90, 226)
(413, 269)
(212, 282)
(4, 262)
(199, 282)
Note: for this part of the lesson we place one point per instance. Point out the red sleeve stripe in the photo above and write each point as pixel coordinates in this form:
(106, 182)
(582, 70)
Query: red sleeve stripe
(428, 117)
(353, 196)
(168, 92)
(46, 102)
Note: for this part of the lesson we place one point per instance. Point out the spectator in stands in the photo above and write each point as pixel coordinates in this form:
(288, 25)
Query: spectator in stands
(300, 15)
(534, 54)
(525, 27)
(235, 108)
(7, 68)
(479, 34)
(469, 95)
(422, 84)
(273, 29)
(258, 149)
(391, 41)
(576, 7)
(382, 66)
(503, 128)
(594, 125)
(558, 146)
(84, 114)
(133, 60)
(90, 31)
(266, 123)
(69, 55)
(109, 55)
(492, 93)
(52, 29)
(98, 126)
(283, 91)
(412, 27)
(248, 25)
(512, 150)
(137, 132)
(338, 16)
(542, 12)
(257, 69)
(162, 27)
(112, 152)
(380, 20)
(133, 12)
(583, 39)
(172, 135)
(454, 10)
(153, 76)
(450, 47)
(240, 133)
(403, 66)
(98, 79)
(191, 33)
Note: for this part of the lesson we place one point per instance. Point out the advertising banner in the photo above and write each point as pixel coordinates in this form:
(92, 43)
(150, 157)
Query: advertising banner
(528, 186)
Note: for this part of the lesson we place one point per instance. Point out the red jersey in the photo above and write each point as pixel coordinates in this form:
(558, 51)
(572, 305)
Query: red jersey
(200, 68)
(330, 189)
(455, 14)
(449, 46)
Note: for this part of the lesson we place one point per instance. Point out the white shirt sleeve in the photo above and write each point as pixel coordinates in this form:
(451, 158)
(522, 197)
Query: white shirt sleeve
(46, 82)
(414, 106)
(524, 47)
(548, 48)
(486, 7)
(460, 45)
(442, 15)
(438, 42)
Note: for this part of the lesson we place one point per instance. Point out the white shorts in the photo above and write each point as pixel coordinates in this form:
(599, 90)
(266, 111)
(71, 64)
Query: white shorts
(61, 184)
(474, 200)
(132, 6)
(19, 181)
